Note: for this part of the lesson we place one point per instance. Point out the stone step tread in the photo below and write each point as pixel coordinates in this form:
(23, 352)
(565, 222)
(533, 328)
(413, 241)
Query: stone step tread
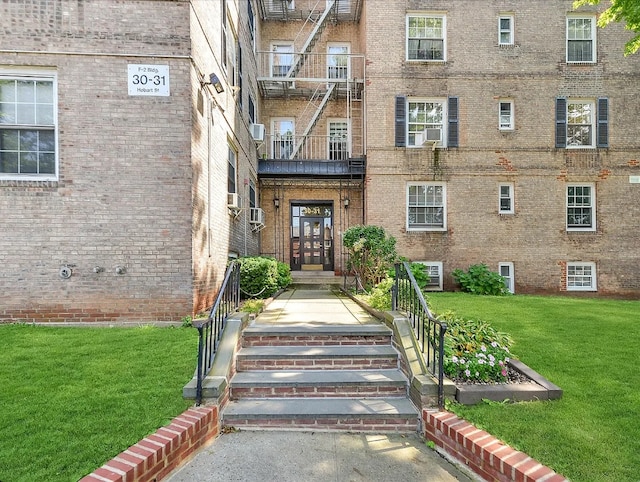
(321, 408)
(285, 378)
(304, 329)
(314, 352)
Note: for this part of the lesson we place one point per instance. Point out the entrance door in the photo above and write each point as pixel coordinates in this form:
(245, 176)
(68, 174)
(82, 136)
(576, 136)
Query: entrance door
(312, 247)
(312, 236)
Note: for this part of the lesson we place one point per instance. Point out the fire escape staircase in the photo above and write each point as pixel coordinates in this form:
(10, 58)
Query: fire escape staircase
(316, 115)
(320, 25)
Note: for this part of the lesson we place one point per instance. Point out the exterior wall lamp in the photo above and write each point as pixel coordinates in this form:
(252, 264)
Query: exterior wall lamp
(346, 203)
(215, 81)
(276, 202)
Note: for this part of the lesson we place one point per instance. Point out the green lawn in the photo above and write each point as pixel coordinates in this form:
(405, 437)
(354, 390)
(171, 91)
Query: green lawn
(588, 347)
(73, 398)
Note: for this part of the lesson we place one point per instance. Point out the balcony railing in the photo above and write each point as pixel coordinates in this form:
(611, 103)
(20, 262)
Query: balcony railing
(293, 147)
(311, 67)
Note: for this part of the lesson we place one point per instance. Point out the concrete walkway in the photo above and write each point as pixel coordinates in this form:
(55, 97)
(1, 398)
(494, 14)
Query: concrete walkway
(316, 456)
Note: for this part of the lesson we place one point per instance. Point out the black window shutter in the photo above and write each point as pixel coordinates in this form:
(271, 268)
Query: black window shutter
(603, 122)
(452, 138)
(401, 121)
(561, 122)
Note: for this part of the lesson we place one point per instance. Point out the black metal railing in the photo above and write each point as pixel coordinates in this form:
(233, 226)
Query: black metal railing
(210, 330)
(407, 297)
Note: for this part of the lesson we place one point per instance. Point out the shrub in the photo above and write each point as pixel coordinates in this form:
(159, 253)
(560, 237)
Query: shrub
(474, 350)
(480, 281)
(260, 276)
(380, 296)
(371, 253)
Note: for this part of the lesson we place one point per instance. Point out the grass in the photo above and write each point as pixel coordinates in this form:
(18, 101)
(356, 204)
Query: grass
(588, 347)
(73, 398)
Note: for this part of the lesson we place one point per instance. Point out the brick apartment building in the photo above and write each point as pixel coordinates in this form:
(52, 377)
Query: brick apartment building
(144, 142)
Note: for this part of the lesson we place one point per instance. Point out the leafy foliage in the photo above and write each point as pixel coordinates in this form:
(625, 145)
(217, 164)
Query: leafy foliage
(474, 350)
(371, 253)
(480, 280)
(619, 11)
(380, 296)
(261, 276)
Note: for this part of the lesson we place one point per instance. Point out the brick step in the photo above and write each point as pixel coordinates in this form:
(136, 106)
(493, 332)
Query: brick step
(335, 414)
(306, 334)
(318, 383)
(317, 357)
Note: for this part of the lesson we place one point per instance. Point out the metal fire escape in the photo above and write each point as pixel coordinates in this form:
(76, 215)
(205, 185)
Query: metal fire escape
(303, 73)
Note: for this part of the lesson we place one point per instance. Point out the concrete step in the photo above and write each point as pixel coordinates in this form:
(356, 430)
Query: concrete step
(335, 414)
(305, 334)
(318, 383)
(317, 357)
(315, 280)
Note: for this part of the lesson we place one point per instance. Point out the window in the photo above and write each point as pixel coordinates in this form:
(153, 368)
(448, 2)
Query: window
(426, 207)
(28, 122)
(580, 208)
(338, 61)
(426, 37)
(506, 271)
(579, 125)
(338, 140)
(581, 277)
(505, 201)
(232, 170)
(505, 30)
(281, 59)
(251, 22)
(252, 110)
(283, 138)
(505, 119)
(426, 122)
(581, 35)
(252, 194)
(434, 270)
(429, 122)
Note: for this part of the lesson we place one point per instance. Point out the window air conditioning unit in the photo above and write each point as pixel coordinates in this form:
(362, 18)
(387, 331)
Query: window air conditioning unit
(256, 218)
(233, 200)
(431, 135)
(257, 132)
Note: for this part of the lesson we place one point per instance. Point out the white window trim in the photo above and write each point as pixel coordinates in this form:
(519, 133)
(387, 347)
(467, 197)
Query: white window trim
(594, 123)
(592, 228)
(37, 74)
(436, 264)
(510, 280)
(593, 286)
(445, 121)
(511, 17)
(594, 50)
(280, 43)
(511, 125)
(511, 209)
(444, 207)
(347, 55)
(444, 36)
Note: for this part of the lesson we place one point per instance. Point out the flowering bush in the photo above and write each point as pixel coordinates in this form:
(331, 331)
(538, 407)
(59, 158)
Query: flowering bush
(488, 364)
(474, 351)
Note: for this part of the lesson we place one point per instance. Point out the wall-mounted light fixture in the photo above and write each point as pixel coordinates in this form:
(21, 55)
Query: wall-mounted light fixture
(276, 202)
(215, 81)
(346, 203)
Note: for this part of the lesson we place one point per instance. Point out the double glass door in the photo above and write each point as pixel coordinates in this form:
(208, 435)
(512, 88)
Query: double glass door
(312, 238)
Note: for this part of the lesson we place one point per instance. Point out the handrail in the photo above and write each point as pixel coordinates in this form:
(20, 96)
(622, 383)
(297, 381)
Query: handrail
(209, 332)
(429, 331)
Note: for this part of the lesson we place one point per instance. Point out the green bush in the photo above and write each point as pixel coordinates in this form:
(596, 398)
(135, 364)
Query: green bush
(480, 280)
(380, 296)
(261, 277)
(371, 253)
(474, 351)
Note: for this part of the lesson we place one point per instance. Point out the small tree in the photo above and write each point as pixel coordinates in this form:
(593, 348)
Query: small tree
(371, 253)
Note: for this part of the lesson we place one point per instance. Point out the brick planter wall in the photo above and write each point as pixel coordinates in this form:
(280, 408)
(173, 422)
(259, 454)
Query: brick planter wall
(157, 455)
(485, 455)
